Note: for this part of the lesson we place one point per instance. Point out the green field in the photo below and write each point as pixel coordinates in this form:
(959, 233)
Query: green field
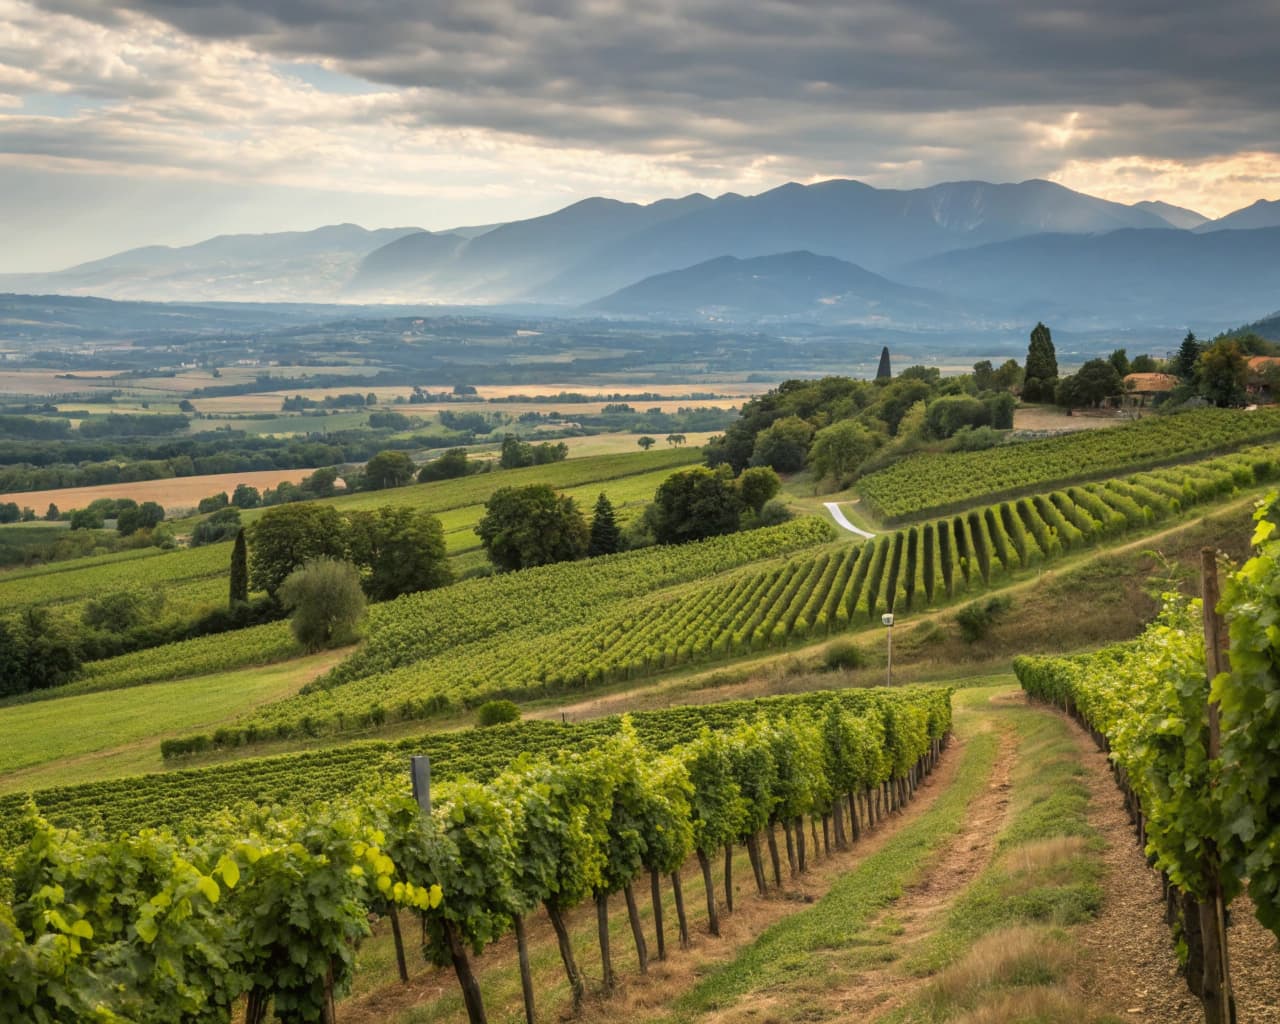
(100, 734)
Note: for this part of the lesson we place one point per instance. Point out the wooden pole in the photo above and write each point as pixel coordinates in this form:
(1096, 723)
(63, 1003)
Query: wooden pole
(1219, 1001)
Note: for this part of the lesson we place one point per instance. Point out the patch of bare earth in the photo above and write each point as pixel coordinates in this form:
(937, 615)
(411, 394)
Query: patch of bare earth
(1127, 950)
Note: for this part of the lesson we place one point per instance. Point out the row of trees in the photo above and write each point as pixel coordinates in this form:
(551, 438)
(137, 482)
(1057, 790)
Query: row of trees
(533, 525)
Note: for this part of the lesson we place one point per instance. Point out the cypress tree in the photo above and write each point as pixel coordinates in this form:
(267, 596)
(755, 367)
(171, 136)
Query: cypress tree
(606, 538)
(883, 372)
(1042, 366)
(1187, 359)
(239, 570)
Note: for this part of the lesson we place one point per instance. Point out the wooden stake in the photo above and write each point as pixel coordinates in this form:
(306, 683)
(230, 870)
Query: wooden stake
(1218, 998)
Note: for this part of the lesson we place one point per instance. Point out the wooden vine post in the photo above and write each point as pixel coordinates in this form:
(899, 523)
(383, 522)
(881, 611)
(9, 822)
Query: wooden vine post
(1216, 994)
(420, 774)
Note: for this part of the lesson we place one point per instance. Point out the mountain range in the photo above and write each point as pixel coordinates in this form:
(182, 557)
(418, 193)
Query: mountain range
(834, 251)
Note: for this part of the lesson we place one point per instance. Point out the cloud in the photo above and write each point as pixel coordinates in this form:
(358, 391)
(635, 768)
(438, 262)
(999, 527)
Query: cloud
(543, 101)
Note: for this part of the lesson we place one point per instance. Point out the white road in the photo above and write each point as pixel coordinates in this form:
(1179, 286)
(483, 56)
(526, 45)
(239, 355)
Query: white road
(838, 515)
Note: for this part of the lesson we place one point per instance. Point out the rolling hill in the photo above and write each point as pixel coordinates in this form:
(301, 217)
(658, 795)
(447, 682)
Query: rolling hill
(787, 286)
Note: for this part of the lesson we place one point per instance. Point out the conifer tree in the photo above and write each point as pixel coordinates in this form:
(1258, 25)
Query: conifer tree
(883, 372)
(606, 538)
(1042, 366)
(239, 570)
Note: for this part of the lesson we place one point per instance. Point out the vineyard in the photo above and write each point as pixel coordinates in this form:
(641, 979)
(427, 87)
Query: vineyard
(266, 907)
(932, 483)
(420, 660)
(1202, 785)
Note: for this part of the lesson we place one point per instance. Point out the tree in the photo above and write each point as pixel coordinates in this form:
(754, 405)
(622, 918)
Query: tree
(122, 610)
(606, 538)
(1120, 360)
(784, 446)
(10, 512)
(212, 503)
(1042, 366)
(51, 513)
(186, 406)
(1187, 361)
(1223, 373)
(515, 454)
(884, 371)
(984, 375)
(222, 525)
(86, 519)
(239, 571)
(326, 602)
(757, 485)
(1096, 380)
(146, 516)
(694, 504)
(1008, 376)
(402, 548)
(526, 526)
(323, 482)
(246, 496)
(388, 469)
(646, 442)
(450, 465)
(949, 413)
(288, 536)
(675, 440)
(1143, 364)
(838, 451)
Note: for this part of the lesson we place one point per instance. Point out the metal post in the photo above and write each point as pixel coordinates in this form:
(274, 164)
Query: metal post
(420, 773)
(887, 619)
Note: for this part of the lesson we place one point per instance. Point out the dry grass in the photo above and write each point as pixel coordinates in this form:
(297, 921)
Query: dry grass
(1041, 417)
(182, 492)
(1011, 957)
(1043, 1005)
(1044, 854)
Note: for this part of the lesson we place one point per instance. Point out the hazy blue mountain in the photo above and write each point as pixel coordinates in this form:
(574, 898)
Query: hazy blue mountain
(278, 267)
(1176, 216)
(879, 229)
(786, 286)
(1262, 214)
(1129, 277)
(503, 263)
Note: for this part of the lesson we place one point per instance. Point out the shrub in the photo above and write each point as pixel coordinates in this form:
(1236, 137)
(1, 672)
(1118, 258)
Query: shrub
(495, 712)
(326, 601)
(975, 620)
(843, 654)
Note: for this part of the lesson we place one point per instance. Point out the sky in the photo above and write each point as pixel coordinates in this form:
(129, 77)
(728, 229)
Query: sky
(134, 122)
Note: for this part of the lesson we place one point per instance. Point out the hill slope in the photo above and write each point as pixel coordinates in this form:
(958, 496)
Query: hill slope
(795, 285)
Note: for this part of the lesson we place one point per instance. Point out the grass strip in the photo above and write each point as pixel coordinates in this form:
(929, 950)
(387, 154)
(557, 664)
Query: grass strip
(841, 916)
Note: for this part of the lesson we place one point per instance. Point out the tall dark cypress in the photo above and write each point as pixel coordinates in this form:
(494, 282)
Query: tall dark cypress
(884, 372)
(239, 570)
(606, 538)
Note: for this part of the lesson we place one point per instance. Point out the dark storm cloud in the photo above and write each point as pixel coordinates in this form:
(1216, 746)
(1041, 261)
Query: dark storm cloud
(1185, 79)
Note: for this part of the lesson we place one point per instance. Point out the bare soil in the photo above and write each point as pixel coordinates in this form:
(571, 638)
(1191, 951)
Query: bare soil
(182, 492)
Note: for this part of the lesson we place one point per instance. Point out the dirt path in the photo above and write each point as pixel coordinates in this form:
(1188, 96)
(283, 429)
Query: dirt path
(1128, 948)
(882, 987)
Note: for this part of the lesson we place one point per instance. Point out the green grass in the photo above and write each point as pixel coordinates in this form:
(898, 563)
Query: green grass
(130, 723)
(1060, 887)
(840, 919)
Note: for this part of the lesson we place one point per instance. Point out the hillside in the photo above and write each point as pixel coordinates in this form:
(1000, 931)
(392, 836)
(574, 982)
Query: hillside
(290, 266)
(795, 285)
(1164, 277)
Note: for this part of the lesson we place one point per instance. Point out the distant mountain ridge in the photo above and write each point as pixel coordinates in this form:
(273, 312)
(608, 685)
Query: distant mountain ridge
(787, 286)
(285, 266)
(907, 255)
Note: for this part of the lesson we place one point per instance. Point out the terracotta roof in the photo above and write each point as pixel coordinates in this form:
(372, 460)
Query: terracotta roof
(1260, 363)
(1151, 382)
